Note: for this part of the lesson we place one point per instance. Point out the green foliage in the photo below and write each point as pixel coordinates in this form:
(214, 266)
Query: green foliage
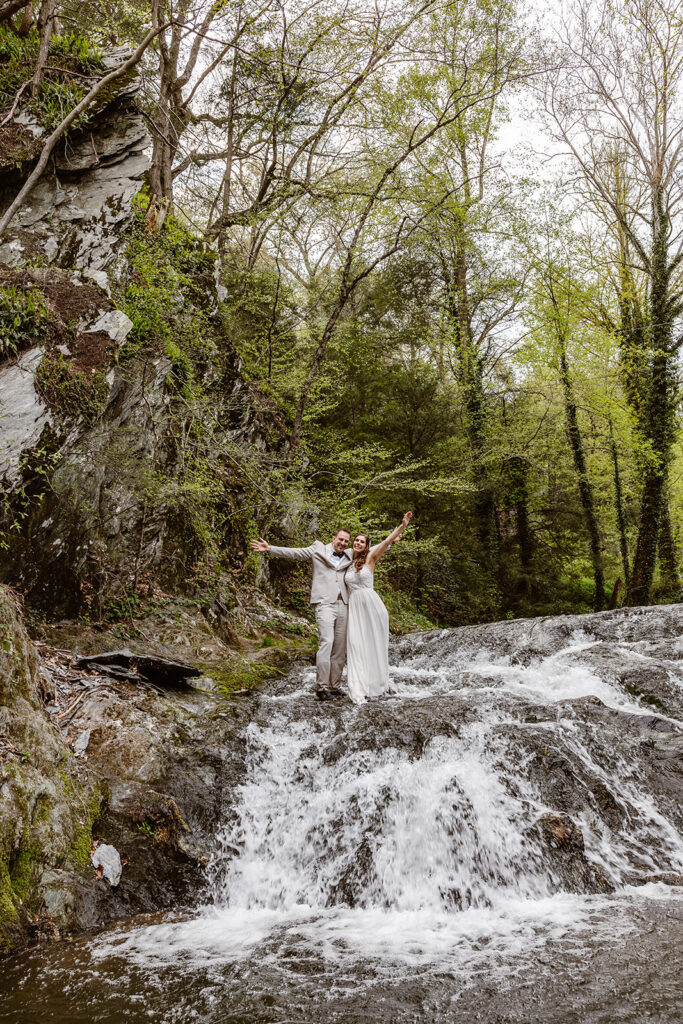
(24, 315)
(73, 49)
(37, 464)
(110, 24)
(60, 92)
(70, 391)
(169, 269)
(55, 100)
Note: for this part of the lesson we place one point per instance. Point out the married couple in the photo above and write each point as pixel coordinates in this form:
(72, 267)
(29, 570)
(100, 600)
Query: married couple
(353, 623)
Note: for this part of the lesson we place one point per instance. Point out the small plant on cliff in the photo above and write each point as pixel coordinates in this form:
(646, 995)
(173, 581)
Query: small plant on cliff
(74, 50)
(68, 54)
(170, 278)
(68, 390)
(23, 317)
(54, 102)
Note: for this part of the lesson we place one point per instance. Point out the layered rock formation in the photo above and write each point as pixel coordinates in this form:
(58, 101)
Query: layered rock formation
(96, 411)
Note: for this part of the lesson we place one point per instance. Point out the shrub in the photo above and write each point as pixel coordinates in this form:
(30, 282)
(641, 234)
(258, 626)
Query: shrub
(59, 93)
(71, 391)
(24, 314)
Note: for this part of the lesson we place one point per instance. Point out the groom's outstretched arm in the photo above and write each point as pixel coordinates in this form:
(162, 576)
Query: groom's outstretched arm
(295, 554)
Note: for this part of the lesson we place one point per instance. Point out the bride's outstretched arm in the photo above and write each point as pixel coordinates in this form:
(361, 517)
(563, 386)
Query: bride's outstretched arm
(379, 549)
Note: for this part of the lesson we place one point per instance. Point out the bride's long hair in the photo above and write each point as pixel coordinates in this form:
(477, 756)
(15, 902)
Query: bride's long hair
(359, 559)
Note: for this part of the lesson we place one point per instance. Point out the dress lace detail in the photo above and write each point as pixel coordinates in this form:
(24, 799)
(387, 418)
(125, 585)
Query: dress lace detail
(363, 579)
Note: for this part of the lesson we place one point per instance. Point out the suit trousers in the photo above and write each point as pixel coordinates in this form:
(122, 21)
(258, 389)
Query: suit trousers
(331, 656)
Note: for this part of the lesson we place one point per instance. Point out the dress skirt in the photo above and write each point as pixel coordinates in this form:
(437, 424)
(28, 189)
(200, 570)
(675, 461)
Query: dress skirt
(367, 645)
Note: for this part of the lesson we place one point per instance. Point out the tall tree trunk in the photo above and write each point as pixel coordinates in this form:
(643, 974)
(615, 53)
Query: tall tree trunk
(584, 483)
(470, 379)
(658, 419)
(46, 18)
(666, 553)
(619, 508)
(518, 477)
(24, 26)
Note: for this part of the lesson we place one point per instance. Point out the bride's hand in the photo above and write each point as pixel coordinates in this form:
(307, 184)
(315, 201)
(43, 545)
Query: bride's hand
(407, 517)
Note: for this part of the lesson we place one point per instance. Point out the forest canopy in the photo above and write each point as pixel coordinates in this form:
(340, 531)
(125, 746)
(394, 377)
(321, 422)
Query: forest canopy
(447, 239)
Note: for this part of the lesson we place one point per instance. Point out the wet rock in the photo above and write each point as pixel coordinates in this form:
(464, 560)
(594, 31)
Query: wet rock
(58, 896)
(560, 831)
(24, 414)
(48, 800)
(667, 877)
(43, 928)
(526, 640)
(349, 890)
(107, 862)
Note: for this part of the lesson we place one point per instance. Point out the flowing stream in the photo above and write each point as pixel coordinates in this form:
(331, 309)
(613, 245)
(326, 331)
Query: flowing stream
(490, 842)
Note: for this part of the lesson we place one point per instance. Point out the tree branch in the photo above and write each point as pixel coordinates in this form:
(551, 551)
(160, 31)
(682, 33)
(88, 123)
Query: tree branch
(64, 126)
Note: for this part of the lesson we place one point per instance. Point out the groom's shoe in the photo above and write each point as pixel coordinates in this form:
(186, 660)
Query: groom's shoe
(336, 693)
(323, 694)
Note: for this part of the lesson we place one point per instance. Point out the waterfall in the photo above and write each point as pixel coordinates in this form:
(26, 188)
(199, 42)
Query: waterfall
(516, 789)
(497, 839)
(485, 787)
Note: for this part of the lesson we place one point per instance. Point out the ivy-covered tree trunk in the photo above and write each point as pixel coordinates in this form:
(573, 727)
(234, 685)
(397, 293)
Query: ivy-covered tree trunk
(667, 555)
(619, 510)
(583, 480)
(658, 413)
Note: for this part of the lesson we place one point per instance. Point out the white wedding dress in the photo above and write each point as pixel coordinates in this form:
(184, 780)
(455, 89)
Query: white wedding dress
(367, 638)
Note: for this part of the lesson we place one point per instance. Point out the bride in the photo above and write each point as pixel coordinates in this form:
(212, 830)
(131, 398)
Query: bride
(367, 639)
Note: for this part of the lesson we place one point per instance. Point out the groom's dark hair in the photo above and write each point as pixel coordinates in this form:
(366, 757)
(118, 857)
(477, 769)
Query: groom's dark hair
(341, 529)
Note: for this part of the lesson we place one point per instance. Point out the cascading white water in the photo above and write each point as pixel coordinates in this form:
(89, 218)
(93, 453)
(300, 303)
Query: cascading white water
(440, 831)
(475, 841)
(337, 819)
(411, 828)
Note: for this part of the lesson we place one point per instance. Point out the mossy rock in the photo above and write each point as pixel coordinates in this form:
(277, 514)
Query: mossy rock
(48, 801)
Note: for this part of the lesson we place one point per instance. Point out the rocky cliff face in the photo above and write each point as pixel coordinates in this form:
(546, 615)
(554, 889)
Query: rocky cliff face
(126, 429)
(118, 385)
(75, 216)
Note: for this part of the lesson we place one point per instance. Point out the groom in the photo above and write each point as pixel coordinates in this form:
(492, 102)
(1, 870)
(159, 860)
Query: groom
(329, 598)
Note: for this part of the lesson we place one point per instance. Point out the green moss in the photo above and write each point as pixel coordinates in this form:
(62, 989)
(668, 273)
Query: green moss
(43, 811)
(8, 910)
(78, 853)
(87, 811)
(24, 314)
(23, 873)
(243, 675)
(69, 391)
(18, 877)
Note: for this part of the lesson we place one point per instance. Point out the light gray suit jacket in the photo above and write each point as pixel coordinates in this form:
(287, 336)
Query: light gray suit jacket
(328, 579)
